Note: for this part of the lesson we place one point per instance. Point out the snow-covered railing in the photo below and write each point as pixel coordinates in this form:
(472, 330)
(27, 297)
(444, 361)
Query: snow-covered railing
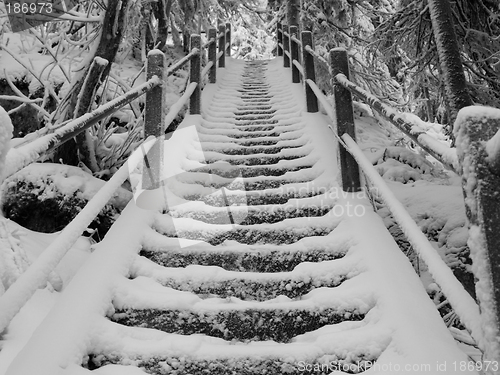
(444, 154)
(18, 158)
(224, 43)
(477, 132)
(16, 296)
(461, 301)
(289, 47)
(477, 135)
(27, 153)
(155, 121)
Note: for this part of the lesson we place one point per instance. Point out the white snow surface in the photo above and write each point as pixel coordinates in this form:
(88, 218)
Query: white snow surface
(402, 326)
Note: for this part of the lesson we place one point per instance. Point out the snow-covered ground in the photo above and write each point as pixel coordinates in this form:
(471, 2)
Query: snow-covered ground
(23, 325)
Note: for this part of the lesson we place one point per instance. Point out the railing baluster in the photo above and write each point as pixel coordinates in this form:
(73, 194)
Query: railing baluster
(294, 48)
(195, 76)
(481, 186)
(345, 120)
(279, 32)
(309, 72)
(212, 55)
(154, 122)
(228, 39)
(286, 46)
(222, 45)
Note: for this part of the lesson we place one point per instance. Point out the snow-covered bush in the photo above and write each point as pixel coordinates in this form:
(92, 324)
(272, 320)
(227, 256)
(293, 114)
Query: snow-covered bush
(46, 197)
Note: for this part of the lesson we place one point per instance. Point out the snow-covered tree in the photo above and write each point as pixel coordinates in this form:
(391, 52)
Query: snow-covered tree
(452, 69)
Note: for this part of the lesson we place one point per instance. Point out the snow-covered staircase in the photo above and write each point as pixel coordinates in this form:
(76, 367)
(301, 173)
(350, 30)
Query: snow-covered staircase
(260, 264)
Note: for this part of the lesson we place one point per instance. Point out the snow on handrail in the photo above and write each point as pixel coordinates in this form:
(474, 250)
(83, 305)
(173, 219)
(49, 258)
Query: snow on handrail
(317, 56)
(321, 97)
(299, 67)
(173, 68)
(177, 106)
(208, 43)
(446, 155)
(298, 41)
(18, 158)
(462, 302)
(37, 274)
(206, 69)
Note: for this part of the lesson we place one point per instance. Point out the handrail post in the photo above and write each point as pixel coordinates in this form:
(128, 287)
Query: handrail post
(279, 33)
(286, 47)
(294, 48)
(222, 45)
(309, 72)
(154, 115)
(481, 186)
(154, 121)
(228, 39)
(195, 76)
(345, 120)
(212, 55)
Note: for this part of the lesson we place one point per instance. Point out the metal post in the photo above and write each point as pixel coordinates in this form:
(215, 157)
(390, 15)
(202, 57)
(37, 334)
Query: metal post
(195, 76)
(286, 47)
(212, 55)
(228, 39)
(222, 45)
(279, 33)
(309, 72)
(345, 120)
(480, 171)
(294, 48)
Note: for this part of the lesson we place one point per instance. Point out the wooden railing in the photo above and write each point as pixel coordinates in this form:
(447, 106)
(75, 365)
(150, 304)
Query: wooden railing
(156, 122)
(37, 274)
(479, 169)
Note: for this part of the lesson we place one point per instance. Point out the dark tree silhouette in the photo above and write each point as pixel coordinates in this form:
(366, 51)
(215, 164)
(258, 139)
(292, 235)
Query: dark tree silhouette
(452, 70)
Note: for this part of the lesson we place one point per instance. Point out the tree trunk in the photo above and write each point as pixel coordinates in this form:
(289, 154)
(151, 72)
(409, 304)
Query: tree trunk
(163, 15)
(81, 97)
(293, 12)
(457, 95)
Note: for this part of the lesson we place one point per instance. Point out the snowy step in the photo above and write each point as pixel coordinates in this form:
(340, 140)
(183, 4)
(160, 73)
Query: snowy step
(267, 197)
(240, 325)
(259, 216)
(213, 281)
(222, 170)
(256, 259)
(262, 184)
(250, 150)
(251, 236)
(231, 366)
(252, 161)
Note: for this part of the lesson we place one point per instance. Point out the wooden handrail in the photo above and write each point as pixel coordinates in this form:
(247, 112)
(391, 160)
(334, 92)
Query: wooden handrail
(445, 157)
(478, 162)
